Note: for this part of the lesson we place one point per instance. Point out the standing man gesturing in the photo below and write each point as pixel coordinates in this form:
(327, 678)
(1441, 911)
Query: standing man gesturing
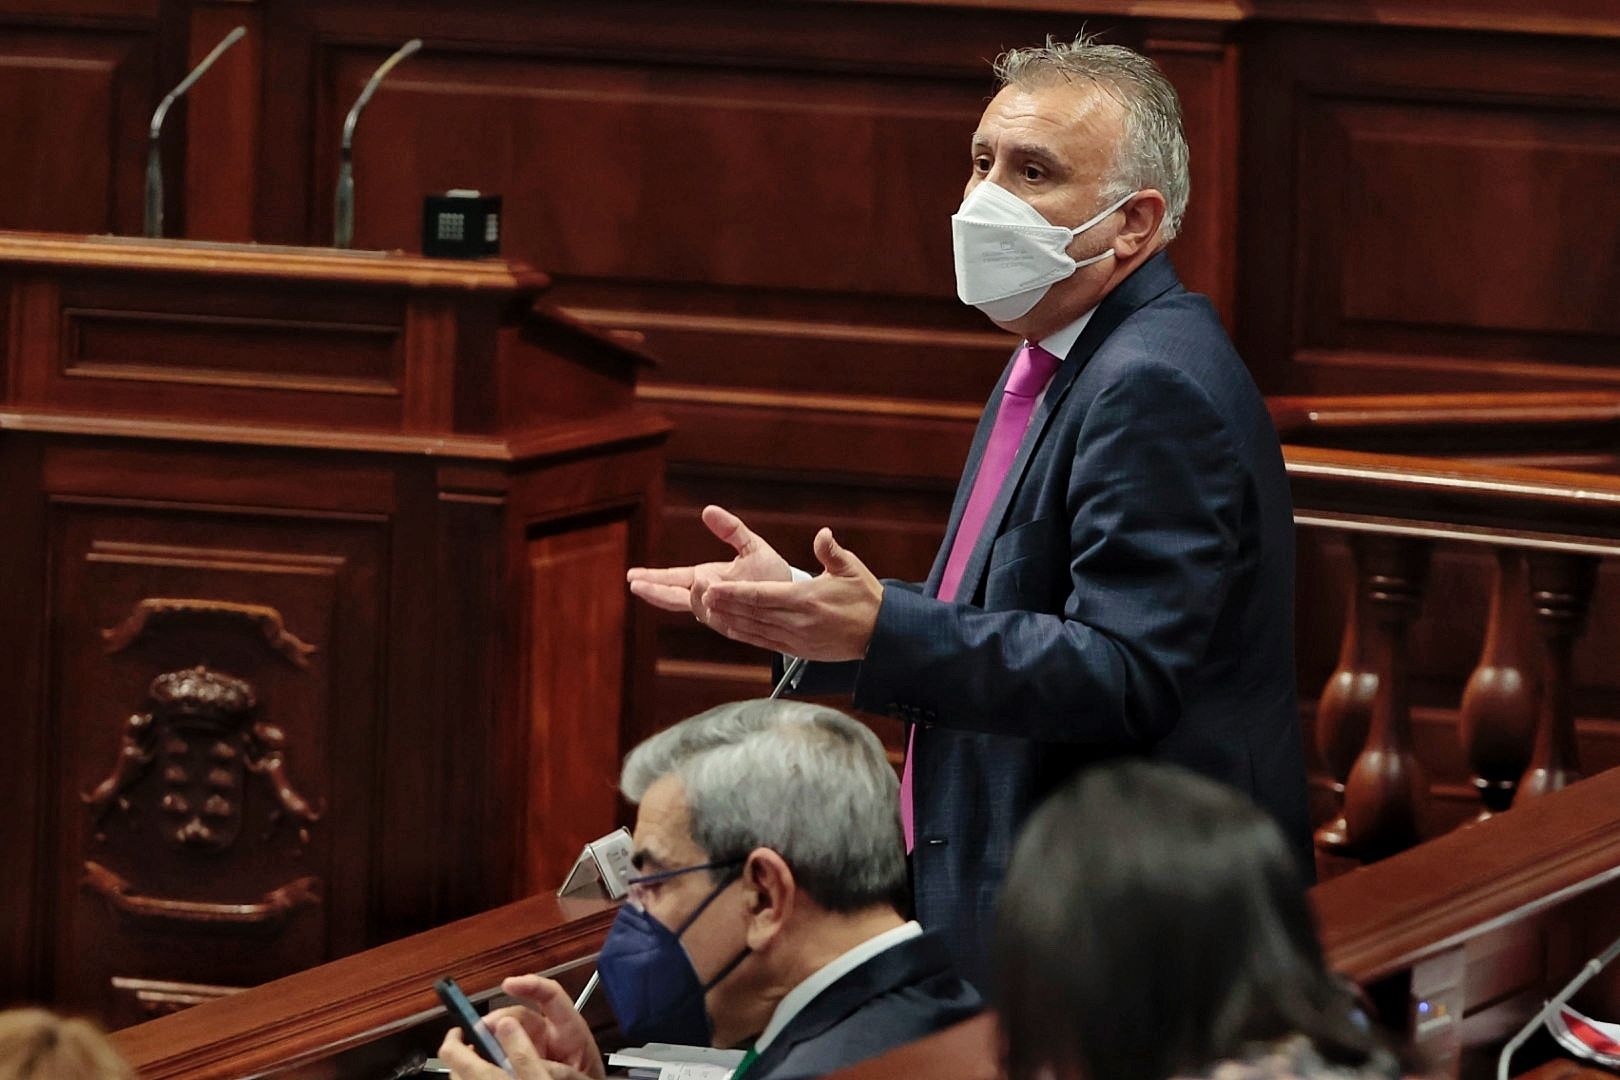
(1117, 575)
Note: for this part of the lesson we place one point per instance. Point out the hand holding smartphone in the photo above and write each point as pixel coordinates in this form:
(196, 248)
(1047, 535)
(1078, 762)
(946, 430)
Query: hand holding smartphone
(478, 1034)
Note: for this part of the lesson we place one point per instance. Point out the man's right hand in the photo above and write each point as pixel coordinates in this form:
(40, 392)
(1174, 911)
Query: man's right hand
(548, 1017)
(680, 588)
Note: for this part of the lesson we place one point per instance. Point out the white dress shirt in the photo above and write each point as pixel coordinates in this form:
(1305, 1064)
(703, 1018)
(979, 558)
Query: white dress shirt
(806, 992)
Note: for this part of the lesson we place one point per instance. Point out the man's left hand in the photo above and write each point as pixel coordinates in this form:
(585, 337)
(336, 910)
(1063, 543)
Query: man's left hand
(830, 617)
(527, 1064)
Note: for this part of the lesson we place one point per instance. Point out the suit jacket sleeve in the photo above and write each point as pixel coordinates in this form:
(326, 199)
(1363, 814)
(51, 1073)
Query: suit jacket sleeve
(1153, 504)
(825, 678)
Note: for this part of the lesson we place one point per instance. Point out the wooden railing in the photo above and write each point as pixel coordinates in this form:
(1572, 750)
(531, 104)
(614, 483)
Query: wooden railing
(367, 1013)
(1457, 942)
(1547, 531)
(1522, 488)
(1573, 429)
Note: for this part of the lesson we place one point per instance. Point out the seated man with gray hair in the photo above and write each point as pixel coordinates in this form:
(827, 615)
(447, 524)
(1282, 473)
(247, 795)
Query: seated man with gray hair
(766, 914)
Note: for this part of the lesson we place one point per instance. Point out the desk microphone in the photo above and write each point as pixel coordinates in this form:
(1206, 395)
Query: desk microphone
(343, 216)
(1556, 1002)
(790, 678)
(154, 160)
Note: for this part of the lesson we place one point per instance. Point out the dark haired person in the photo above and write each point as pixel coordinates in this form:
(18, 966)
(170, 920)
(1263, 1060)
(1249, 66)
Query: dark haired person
(1153, 924)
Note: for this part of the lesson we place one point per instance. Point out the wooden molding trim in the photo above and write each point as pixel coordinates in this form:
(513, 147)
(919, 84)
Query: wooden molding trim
(1389, 915)
(127, 254)
(617, 430)
(1422, 413)
(316, 1014)
(1453, 367)
(825, 403)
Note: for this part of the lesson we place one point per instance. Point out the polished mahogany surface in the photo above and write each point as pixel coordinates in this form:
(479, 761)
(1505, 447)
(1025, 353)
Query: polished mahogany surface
(317, 633)
(356, 1015)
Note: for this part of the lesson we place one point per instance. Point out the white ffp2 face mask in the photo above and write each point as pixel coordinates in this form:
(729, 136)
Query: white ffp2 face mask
(1008, 255)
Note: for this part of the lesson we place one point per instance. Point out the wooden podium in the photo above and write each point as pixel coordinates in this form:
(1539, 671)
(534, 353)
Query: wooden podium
(316, 631)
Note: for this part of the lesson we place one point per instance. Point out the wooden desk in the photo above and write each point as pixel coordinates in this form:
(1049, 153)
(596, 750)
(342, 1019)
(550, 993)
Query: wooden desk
(316, 627)
(362, 1015)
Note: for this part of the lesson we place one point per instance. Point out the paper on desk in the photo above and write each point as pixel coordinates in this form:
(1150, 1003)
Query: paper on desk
(654, 1055)
(694, 1072)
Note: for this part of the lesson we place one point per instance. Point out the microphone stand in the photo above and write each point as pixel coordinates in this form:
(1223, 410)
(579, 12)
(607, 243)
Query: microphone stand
(1556, 1002)
(154, 160)
(343, 211)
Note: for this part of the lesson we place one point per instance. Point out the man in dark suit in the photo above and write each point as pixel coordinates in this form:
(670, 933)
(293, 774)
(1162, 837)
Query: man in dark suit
(1117, 576)
(765, 911)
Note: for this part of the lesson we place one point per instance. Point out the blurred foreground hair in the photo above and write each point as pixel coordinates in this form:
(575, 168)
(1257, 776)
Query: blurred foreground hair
(1153, 924)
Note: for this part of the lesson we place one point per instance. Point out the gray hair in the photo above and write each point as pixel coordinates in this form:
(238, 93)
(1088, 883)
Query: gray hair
(803, 780)
(1153, 152)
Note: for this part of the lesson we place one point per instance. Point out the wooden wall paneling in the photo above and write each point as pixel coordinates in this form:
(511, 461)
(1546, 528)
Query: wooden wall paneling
(1398, 187)
(574, 605)
(798, 320)
(79, 87)
(140, 591)
(26, 764)
(1575, 18)
(425, 783)
(578, 708)
(1203, 64)
(286, 354)
(474, 677)
(222, 138)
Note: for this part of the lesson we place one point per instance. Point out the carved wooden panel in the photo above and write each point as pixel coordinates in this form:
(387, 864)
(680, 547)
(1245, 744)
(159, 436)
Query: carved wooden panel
(575, 669)
(76, 100)
(212, 758)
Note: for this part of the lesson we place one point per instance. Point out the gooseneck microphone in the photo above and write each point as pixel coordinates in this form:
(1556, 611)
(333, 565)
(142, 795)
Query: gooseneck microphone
(154, 160)
(343, 211)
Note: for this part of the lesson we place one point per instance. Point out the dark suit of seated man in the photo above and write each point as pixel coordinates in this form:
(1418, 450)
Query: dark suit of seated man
(765, 914)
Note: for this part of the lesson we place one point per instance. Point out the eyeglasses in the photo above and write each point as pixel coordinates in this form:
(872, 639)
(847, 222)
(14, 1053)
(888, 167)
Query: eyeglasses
(640, 888)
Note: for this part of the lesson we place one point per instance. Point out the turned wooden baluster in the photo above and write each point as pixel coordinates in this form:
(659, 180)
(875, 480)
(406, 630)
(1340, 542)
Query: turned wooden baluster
(1385, 791)
(1344, 709)
(1498, 716)
(1560, 595)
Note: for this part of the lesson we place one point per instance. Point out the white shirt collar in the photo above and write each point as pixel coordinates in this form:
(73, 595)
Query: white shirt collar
(1060, 342)
(807, 991)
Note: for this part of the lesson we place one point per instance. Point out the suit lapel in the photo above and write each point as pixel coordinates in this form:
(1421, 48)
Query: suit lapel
(905, 964)
(1151, 280)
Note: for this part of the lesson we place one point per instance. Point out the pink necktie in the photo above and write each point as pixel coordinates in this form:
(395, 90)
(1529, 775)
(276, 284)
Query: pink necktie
(1032, 370)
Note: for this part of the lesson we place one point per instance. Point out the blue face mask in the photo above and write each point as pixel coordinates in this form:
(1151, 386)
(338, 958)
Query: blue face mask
(649, 980)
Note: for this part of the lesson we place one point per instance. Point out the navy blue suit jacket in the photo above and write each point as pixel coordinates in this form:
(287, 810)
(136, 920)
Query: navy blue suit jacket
(900, 995)
(1131, 593)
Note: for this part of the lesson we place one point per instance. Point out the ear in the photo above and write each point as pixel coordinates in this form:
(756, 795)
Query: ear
(1144, 215)
(772, 895)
